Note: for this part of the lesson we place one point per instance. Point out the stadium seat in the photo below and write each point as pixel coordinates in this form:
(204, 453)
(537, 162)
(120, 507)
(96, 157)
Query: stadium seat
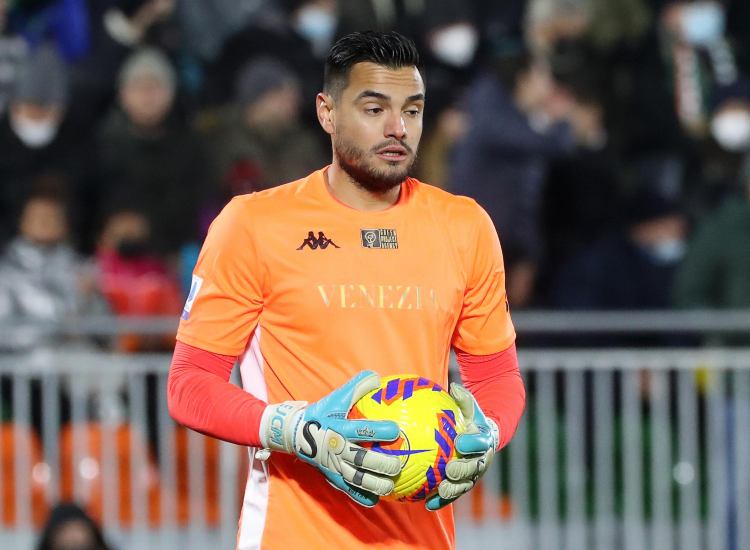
(88, 472)
(151, 294)
(15, 439)
(210, 477)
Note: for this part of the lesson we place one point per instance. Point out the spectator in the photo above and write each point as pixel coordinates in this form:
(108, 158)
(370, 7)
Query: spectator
(261, 142)
(33, 138)
(727, 157)
(134, 280)
(41, 278)
(275, 32)
(697, 57)
(513, 128)
(147, 157)
(117, 29)
(583, 190)
(628, 270)
(70, 528)
(715, 273)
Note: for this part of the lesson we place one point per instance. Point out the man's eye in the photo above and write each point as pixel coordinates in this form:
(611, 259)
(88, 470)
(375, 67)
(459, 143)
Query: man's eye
(374, 110)
(413, 112)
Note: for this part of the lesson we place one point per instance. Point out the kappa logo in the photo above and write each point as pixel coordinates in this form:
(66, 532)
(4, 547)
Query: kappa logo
(321, 241)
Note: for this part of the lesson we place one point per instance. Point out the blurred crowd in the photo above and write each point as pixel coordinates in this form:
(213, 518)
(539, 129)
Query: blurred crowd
(608, 140)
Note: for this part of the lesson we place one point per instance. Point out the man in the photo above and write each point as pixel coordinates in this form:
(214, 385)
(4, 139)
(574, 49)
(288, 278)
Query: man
(32, 136)
(357, 267)
(42, 279)
(146, 157)
(260, 133)
(519, 123)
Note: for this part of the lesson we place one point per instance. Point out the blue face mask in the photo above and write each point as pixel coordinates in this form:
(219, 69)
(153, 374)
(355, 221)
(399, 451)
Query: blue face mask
(667, 251)
(702, 23)
(316, 24)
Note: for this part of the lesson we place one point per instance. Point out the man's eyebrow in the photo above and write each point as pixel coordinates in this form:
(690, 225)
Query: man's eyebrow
(373, 94)
(378, 95)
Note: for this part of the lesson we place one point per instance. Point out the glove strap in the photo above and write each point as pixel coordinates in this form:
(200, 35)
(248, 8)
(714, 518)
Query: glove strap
(495, 431)
(278, 425)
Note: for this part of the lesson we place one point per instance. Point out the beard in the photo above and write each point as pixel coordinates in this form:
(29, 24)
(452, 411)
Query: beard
(353, 160)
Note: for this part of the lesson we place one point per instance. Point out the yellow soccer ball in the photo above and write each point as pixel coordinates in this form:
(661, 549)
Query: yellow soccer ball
(429, 420)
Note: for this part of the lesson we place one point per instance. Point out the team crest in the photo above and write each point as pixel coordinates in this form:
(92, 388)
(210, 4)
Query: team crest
(379, 238)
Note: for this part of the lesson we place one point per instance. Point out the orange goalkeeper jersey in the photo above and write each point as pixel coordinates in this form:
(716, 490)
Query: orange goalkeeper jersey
(309, 292)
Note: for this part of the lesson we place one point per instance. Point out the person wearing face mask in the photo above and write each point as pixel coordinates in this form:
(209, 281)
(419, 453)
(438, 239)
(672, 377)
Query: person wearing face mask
(131, 276)
(730, 122)
(35, 137)
(725, 156)
(695, 46)
(630, 268)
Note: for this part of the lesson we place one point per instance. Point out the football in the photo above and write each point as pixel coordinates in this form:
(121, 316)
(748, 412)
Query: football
(429, 420)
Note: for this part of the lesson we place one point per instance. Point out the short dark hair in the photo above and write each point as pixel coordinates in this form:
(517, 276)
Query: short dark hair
(390, 49)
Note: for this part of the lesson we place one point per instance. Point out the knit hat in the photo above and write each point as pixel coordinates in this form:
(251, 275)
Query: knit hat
(148, 62)
(645, 204)
(260, 76)
(43, 78)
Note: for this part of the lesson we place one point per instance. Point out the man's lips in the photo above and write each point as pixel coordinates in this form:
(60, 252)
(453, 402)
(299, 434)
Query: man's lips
(393, 153)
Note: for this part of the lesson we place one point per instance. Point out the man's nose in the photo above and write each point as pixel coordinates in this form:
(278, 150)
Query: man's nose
(395, 127)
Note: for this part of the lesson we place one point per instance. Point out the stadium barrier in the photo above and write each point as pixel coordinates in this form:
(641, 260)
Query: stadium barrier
(618, 449)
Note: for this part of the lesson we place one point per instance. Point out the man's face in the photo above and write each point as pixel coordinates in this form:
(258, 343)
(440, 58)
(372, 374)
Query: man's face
(377, 124)
(43, 222)
(275, 111)
(146, 100)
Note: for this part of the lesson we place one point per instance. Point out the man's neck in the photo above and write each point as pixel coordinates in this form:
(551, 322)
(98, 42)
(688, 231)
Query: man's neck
(346, 190)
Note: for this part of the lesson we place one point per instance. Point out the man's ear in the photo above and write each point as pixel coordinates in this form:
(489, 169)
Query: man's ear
(324, 107)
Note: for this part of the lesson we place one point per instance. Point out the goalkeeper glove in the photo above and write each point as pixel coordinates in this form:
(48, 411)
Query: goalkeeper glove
(321, 435)
(476, 446)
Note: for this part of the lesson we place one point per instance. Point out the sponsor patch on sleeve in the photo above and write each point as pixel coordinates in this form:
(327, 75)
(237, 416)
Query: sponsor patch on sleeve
(195, 287)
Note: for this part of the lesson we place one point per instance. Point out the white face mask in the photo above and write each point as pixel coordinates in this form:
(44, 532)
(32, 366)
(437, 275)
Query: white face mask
(731, 130)
(316, 24)
(667, 251)
(702, 23)
(455, 45)
(34, 133)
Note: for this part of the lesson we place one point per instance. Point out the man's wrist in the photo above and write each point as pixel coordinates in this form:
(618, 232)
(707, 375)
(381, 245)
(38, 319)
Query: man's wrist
(278, 425)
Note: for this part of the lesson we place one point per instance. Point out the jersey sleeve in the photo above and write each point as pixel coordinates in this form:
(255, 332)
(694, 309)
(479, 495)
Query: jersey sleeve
(484, 325)
(226, 294)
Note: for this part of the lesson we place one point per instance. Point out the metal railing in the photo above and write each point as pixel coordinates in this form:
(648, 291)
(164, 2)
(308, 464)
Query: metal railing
(94, 428)
(703, 321)
(619, 449)
(622, 449)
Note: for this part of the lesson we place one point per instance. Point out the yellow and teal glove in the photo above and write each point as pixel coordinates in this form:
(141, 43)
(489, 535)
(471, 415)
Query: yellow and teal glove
(476, 446)
(321, 435)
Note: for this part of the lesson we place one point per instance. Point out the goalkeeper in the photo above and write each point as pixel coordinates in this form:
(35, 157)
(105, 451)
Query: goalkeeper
(318, 287)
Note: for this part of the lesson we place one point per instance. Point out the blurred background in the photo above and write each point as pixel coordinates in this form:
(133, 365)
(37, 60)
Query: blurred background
(608, 139)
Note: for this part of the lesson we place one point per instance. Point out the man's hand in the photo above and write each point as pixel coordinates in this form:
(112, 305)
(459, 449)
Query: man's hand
(321, 435)
(476, 445)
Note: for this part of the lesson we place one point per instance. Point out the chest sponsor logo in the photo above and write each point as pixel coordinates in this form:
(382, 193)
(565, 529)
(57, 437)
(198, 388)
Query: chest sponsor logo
(315, 242)
(402, 297)
(379, 238)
